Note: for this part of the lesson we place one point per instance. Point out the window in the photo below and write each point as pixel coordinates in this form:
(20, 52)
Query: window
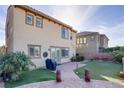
(34, 51)
(92, 37)
(39, 22)
(65, 33)
(78, 41)
(64, 52)
(81, 41)
(29, 19)
(85, 40)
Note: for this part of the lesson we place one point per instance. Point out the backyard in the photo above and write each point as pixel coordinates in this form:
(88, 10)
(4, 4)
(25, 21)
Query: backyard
(37, 75)
(101, 70)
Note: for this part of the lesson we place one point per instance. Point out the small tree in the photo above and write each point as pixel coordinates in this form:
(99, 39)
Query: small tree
(117, 55)
(14, 64)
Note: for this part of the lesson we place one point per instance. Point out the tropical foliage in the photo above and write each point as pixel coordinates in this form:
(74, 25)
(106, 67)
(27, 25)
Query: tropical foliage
(117, 55)
(117, 52)
(112, 49)
(13, 65)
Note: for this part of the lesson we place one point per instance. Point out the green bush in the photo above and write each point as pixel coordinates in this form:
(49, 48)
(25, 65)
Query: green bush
(14, 64)
(73, 59)
(77, 58)
(112, 49)
(117, 55)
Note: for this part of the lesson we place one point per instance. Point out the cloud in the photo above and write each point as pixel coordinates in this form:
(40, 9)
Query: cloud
(75, 16)
(2, 42)
(3, 10)
(114, 33)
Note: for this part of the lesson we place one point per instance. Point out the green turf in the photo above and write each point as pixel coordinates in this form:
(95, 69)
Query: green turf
(31, 77)
(99, 69)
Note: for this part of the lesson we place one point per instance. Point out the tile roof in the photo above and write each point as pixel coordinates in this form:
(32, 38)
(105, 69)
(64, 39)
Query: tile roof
(86, 33)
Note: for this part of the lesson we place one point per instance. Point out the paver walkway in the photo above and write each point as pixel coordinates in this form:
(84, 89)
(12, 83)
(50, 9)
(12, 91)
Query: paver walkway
(67, 70)
(71, 80)
(1, 84)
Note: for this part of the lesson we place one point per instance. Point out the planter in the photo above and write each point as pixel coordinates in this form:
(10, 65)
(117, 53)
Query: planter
(121, 74)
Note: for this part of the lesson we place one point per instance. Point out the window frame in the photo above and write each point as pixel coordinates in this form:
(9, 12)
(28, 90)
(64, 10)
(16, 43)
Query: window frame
(84, 40)
(92, 38)
(66, 32)
(68, 52)
(78, 41)
(41, 24)
(81, 40)
(32, 19)
(30, 46)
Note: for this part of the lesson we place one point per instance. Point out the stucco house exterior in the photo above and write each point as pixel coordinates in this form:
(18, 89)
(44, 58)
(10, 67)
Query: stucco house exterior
(90, 43)
(38, 35)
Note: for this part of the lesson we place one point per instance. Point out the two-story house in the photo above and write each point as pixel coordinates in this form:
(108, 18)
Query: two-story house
(38, 35)
(90, 43)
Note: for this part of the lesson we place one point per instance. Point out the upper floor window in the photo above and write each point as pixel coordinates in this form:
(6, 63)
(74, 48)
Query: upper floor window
(29, 19)
(81, 41)
(34, 51)
(78, 41)
(92, 37)
(39, 22)
(84, 40)
(64, 33)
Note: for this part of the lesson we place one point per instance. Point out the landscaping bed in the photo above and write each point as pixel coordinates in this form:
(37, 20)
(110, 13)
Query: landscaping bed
(101, 69)
(37, 75)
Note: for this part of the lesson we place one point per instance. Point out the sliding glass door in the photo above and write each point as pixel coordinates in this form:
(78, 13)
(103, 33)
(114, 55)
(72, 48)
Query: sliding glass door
(56, 54)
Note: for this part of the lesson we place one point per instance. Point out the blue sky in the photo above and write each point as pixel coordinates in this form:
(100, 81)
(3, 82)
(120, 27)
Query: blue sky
(107, 20)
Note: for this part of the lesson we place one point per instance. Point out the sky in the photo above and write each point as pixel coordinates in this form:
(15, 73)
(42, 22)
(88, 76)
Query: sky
(107, 20)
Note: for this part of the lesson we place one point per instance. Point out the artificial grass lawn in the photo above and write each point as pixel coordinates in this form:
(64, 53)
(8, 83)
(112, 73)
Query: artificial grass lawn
(32, 76)
(101, 70)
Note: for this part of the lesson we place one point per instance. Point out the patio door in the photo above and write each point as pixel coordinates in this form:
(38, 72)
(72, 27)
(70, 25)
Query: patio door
(56, 54)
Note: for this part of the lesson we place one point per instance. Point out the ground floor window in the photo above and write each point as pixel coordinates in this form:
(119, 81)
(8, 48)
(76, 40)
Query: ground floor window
(34, 51)
(64, 52)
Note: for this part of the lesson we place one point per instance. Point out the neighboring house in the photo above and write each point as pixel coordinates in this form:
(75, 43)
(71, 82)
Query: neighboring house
(39, 35)
(91, 43)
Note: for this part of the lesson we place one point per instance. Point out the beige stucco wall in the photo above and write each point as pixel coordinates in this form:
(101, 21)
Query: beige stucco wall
(49, 35)
(9, 29)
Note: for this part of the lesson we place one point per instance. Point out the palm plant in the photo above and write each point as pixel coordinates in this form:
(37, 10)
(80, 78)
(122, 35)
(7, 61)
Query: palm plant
(15, 64)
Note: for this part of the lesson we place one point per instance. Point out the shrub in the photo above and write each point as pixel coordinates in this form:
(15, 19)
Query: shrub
(77, 58)
(13, 65)
(73, 59)
(117, 56)
(112, 49)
